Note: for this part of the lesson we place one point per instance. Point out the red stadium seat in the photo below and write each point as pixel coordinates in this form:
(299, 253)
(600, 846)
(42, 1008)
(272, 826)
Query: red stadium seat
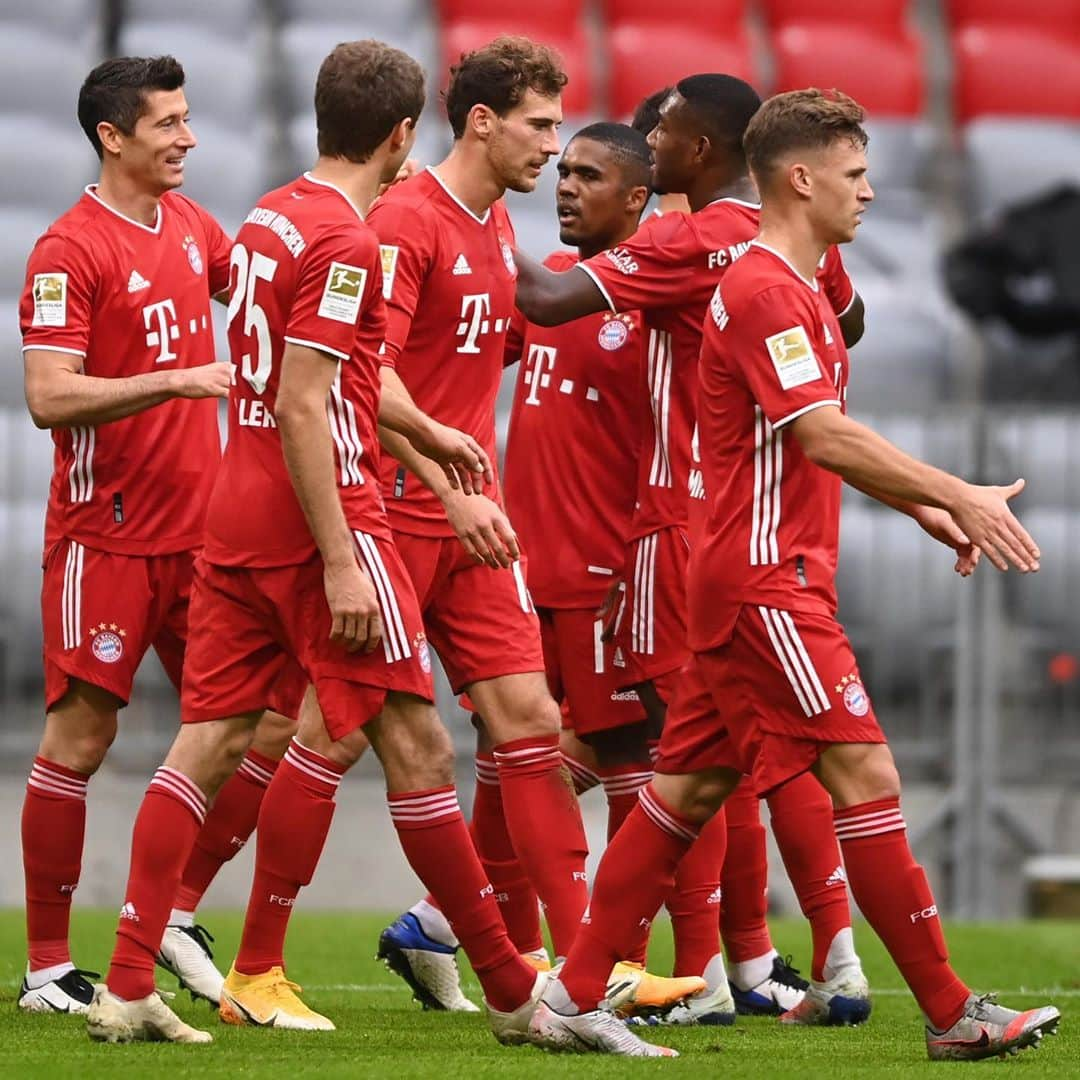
(868, 14)
(883, 72)
(645, 57)
(560, 14)
(1014, 71)
(571, 44)
(1062, 16)
(718, 15)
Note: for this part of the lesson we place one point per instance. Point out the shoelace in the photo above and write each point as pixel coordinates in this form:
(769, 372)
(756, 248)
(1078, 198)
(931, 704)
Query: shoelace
(787, 974)
(978, 1008)
(201, 936)
(284, 989)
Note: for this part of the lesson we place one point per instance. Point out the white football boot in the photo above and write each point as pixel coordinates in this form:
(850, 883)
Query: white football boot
(147, 1020)
(185, 952)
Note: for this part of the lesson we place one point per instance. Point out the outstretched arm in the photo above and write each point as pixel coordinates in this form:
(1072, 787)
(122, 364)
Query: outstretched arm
(548, 298)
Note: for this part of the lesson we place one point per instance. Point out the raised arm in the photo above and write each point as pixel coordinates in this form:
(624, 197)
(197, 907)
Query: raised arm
(548, 298)
(869, 462)
(59, 395)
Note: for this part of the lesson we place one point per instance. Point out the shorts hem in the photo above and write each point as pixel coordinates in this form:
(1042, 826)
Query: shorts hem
(70, 672)
(459, 686)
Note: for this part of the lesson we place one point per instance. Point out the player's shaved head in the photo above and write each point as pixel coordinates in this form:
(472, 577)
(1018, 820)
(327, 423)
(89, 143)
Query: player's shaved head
(363, 91)
(499, 75)
(115, 92)
(800, 120)
(722, 106)
(627, 147)
(647, 114)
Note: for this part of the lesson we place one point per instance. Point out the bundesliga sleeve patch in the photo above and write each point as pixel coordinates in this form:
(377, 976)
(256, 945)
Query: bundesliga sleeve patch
(793, 357)
(342, 294)
(389, 254)
(50, 299)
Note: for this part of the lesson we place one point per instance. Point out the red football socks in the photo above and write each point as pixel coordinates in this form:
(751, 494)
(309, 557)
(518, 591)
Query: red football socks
(228, 825)
(292, 828)
(694, 903)
(544, 822)
(172, 812)
(802, 821)
(636, 873)
(514, 893)
(744, 879)
(438, 847)
(892, 892)
(621, 786)
(53, 825)
(583, 776)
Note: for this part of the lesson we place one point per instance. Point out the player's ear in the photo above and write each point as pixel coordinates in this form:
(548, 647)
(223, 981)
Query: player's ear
(800, 179)
(481, 120)
(636, 198)
(111, 137)
(400, 133)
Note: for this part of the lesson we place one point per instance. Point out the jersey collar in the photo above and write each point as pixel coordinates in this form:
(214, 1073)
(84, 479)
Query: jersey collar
(772, 251)
(333, 187)
(737, 202)
(91, 190)
(439, 180)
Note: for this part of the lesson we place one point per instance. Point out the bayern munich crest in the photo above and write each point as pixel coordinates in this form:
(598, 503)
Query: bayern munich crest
(107, 642)
(856, 699)
(194, 255)
(614, 332)
(423, 653)
(508, 257)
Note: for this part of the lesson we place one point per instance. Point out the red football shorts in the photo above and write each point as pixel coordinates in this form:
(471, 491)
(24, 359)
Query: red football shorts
(650, 628)
(250, 629)
(100, 612)
(582, 674)
(480, 621)
(785, 687)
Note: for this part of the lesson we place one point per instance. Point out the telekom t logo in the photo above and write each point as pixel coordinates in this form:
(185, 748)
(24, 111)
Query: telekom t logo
(157, 315)
(539, 365)
(475, 320)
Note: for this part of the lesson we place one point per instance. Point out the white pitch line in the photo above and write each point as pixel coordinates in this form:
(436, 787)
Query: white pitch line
(378, 988)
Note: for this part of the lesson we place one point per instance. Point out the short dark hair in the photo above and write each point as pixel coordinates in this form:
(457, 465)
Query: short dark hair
(499, 75)
(647, 114)
(115, 92)
(627, 146)
(363, 90)
(800, 120)
(723, 104)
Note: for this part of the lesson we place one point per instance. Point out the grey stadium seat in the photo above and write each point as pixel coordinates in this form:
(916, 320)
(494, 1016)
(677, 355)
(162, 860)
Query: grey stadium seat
(20, 228)
(71, 18)
(1048, 600)
(899, 154)
(222, 80)
(1045, 450)
(1011, 160)
(41, 72)
(237, 18)
(304, 45)
(43, 165)
(26, 456)
(21, 539)
(365, 18)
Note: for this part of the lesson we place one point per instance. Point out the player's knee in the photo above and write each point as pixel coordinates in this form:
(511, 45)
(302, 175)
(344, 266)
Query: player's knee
(414, 747)
(83, 751)
(695, 796)
(273, 734)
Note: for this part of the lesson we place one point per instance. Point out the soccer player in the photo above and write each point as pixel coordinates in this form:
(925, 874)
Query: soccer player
(668, 270)
(119, 364)
(774, 372)
(306, 573)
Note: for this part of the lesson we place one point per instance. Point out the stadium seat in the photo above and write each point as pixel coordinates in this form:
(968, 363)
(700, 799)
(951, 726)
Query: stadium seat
(1047, 600)
(692, 15)
(236, 19)
(11, 370)
(43, 165)
(304, 45)
(46, 89)
(1062, 16)
(78, 19)
(20, 228)
(1012, 160)
(571, 43)
(22, 529)
(558, 15)
(1044, 449)
(899, 154)
(1015, 71)
(645, 57)
(852, 59)
(223, 83)
(888, 15)
(25, 455)
(360, 18)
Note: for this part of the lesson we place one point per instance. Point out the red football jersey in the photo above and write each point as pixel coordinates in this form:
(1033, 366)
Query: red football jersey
(305, 269)
(129, 299)
(772, 351)
(669, 269)
(833, 278)
(448, 278)
(572, 450)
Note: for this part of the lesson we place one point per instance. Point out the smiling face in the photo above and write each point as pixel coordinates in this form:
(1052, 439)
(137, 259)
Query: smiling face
(153, 155)
(521, 142)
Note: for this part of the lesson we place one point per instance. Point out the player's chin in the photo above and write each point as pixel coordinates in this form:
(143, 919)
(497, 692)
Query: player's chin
(522, 183)
(569, 236)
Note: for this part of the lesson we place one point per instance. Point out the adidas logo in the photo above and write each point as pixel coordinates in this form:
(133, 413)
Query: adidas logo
(837, 877)
(461, 266)
(137, 282)
(715, 897)
(128, 912)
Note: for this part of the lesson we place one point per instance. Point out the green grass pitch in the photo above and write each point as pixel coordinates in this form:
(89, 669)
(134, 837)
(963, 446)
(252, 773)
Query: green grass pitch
(382, 1033)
